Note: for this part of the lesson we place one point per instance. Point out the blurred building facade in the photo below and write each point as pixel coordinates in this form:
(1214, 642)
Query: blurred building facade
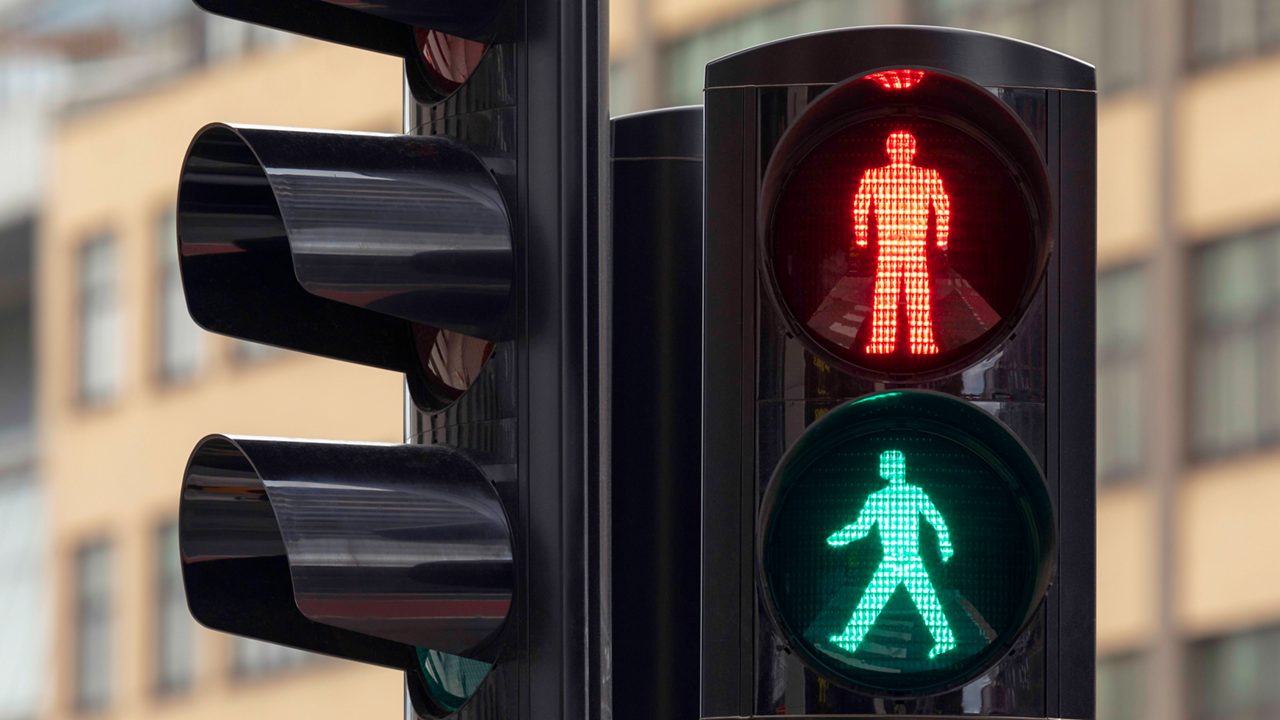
(98, 99)
(127, 384)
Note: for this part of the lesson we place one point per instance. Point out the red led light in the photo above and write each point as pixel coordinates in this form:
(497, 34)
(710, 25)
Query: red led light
(901, 195)
(447, 60)
(904, 233)
(897, 79)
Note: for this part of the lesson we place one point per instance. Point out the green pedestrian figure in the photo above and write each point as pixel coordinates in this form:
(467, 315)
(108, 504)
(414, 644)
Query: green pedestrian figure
(897, 509)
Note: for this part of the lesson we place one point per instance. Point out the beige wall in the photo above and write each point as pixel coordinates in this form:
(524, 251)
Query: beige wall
(1127, 135)
(1229, 174)
(1228, 542)
(1127, 569)
(114, 471)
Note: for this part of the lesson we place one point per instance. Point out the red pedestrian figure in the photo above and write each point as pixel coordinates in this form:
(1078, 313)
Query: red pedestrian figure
(902, 195)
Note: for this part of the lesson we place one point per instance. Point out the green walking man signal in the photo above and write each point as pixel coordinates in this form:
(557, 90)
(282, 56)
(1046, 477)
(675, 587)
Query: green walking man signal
(897, 509)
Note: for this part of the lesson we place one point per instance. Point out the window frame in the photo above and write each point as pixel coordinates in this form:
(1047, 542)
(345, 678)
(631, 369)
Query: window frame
(1137, 352)
(87, 610)
(164, 583)
(85, 395)
(165, 274)
(1263, 328)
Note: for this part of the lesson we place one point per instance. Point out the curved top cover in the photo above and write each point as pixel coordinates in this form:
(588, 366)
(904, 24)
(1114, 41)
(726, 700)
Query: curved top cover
(830, 57)
(384, 26)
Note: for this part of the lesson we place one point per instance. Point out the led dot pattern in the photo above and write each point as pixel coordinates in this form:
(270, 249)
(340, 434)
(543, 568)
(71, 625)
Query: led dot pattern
(900, 240)
(900, 79)
(903, 560)
(897, 510)
(902, 196)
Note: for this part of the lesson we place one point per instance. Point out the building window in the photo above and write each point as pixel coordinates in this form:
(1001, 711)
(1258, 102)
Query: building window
(622, 88)
(23, 634)
(1220, 31)
(1122, 688)
(181, 342)
(246, 352)
(253, 659)
(1122, 333)
(684, 60)
(1107, 33)
(93, 659)
(99, 315)
(174, 630)
(1235, 344)
(1234, 677)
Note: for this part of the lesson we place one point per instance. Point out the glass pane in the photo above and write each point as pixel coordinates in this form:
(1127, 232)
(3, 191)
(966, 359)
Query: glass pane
(1223, 29)
(181, 341)
(93, 636)
(1235, 296)
(1226, 402)
(1269, 22)
(255, 659)
(1120, 419)
(622, 89)
(1121, 688)
(1074, 27)
(175, 631)
(1121, 63)
(1122, 332)
(100, 344)
(1231, 282)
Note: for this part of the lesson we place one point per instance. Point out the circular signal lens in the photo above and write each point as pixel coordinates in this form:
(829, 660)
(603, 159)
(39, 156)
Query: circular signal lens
(905, 223)
(446, 61)
(450, 680)
(906, 541)
(450, 363)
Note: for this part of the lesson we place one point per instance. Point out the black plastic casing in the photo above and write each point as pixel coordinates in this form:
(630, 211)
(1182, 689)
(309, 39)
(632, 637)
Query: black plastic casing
(534, 113)
(655, 480)
(762, 386)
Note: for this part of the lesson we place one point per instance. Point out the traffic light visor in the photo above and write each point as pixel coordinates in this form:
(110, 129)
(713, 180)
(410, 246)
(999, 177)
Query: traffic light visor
(905, 223)
(366, 552)
(906, 541)
(360, 247)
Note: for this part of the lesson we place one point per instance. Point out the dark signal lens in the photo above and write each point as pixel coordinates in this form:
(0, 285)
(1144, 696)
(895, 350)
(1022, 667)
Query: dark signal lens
(447, 61)
(905, 543)
(905, 232)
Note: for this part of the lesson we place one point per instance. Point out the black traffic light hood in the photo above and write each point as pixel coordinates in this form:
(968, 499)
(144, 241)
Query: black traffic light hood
(340, 244)
(362, 551)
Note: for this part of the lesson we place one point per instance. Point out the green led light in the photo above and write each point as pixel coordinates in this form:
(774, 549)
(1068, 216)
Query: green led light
(450, 680)
(897, 509)
(905, 543)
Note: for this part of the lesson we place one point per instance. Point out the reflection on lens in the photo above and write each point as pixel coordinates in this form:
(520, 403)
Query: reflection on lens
(451, 362)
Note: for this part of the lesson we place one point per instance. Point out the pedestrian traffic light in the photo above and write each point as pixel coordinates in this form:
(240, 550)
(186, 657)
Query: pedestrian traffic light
(964, 524)
(898, 378)
(454, 254)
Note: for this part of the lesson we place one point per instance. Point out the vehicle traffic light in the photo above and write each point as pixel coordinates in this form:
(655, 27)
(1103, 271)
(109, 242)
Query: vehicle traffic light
(459, 254)
(898, 377)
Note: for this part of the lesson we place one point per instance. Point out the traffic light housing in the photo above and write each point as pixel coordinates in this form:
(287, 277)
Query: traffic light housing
(452, 254)
(898, 475)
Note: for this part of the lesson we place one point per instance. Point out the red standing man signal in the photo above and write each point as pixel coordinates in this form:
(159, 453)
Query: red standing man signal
(902, 195)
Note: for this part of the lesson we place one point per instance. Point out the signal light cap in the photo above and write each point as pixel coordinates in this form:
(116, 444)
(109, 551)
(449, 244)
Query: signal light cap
(362, 551)
(340, 244)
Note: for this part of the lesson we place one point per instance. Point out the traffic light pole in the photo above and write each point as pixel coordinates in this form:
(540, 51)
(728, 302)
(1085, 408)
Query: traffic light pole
(559, 438)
